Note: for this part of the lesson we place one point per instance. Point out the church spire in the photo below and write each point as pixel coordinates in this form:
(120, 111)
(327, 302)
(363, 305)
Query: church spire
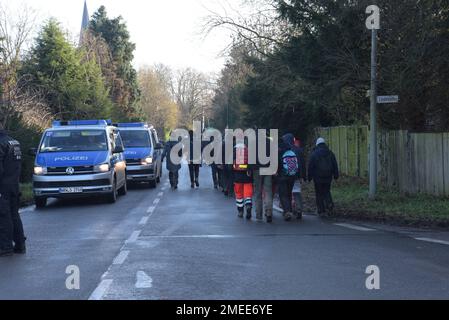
(85, 22)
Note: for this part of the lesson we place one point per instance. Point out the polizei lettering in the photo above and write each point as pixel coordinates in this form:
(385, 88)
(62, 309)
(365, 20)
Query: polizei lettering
(73, 158)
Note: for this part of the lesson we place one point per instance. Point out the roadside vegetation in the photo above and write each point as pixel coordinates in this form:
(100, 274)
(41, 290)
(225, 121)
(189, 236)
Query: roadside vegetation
(351, 201)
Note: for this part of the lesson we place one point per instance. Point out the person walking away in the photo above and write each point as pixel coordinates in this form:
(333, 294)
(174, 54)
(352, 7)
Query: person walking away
(243, 181)
(172, 166)
(263, 188)
(12, 238)
(215, 170)
(287, 173)
(228, 176)
(323, 168)
(194, 165)
(289, 139)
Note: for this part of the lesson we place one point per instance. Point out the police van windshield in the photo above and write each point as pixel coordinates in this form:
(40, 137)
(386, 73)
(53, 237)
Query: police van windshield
(136, 138)
(74, 141)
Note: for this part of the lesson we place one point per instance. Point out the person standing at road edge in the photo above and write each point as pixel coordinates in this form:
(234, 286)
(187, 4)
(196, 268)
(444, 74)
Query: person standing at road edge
(323, 168)
(11, 227)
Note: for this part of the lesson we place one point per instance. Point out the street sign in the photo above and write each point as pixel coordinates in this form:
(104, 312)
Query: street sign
(387, 99)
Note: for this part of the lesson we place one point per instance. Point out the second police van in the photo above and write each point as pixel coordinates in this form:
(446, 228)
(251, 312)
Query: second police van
(143, 153)
(79, 158)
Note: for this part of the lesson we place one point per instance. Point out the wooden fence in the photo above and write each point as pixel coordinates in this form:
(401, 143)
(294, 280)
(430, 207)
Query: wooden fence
(411, 162)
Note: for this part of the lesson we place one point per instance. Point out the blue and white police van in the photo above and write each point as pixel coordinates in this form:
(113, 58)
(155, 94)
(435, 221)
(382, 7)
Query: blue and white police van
(143, 153)
(79, 158)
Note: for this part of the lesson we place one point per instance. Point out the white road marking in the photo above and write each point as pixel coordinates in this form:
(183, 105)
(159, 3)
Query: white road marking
(160, 195)
(354, 227)
(433, 241)
(134, 236)
(27, 209)
(120, 259)
(144, 221)
(151, 209)
(275, 207)
(156, 201)
(143, 281)
(101, 290)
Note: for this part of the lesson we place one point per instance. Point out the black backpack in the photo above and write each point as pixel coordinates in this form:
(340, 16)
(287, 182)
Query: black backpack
(324, 168)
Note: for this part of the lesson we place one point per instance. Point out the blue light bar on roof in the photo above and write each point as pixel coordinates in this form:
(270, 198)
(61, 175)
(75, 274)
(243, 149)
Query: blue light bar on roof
(132, 125)
(82, 123)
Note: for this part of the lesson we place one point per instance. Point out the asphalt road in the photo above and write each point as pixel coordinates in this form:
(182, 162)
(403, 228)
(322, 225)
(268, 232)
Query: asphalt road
(190, 244)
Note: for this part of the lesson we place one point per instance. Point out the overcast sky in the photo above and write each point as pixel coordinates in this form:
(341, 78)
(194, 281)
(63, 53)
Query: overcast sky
(165, 31)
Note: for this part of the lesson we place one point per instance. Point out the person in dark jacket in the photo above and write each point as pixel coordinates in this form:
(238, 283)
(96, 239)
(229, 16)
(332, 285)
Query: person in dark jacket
(194, 164)
(287, 174)
(263, 187)
(173, 166)
(323, 168)
(228, 176)
(289, 139)
(11, 227)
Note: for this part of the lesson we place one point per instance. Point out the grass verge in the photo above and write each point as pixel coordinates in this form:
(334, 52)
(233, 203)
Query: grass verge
(27, 197)
(351, 201)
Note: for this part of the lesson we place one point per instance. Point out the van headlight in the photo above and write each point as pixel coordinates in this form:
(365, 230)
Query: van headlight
(147, 161)
(102, 168)
(39, 171)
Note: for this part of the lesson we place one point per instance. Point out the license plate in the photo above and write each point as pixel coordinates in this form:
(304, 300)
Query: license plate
(71, 190)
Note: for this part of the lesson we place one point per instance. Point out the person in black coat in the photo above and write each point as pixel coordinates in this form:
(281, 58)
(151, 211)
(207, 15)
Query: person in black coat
(323, 168)
(194, 164)
(11, 228)
(173, 166)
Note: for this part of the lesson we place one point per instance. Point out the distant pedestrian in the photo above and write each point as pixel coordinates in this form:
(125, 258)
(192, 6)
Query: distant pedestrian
(12, 238)
(323, 168)
(243, 181)
(173, 166)
(263, 187)
(194, 164)
(294, 144)
(287, 174)
(227, 171)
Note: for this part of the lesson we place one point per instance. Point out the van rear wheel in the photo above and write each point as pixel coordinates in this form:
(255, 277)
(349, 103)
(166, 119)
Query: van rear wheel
(152, 184)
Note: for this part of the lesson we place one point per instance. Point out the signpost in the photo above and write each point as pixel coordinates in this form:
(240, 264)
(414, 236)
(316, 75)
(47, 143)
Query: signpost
(387, 99)
(373, 24)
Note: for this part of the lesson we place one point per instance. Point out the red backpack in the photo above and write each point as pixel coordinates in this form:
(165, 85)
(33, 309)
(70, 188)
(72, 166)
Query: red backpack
(241, 158)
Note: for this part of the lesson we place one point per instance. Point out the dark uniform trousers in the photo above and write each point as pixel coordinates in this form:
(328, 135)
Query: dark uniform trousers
(323, 196)
(11, 228)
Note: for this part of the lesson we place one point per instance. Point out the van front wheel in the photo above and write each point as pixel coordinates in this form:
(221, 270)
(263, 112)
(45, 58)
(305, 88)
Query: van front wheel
(112, 197)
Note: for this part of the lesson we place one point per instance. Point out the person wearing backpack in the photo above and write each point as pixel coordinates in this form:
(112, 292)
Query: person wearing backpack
(243, 180)
(323, 168)
(288, 171)
(302, 174)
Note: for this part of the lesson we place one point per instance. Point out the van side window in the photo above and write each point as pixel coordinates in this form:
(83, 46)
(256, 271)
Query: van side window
(112, 139)
(154, 137)
(118, 140)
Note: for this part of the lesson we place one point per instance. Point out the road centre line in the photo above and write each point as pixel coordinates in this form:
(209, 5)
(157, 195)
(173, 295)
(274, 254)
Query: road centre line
(433, 241)
(134, 236)
(353, 227)
(101, 290)
(120, 259)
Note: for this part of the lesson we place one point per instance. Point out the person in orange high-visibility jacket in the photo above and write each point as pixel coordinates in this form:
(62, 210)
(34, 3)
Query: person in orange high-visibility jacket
(243, 181)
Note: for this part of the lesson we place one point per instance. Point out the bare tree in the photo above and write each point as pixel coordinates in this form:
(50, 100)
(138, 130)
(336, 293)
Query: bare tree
(16, 29)
(157, 102)
(194, 92)
(255, 25)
